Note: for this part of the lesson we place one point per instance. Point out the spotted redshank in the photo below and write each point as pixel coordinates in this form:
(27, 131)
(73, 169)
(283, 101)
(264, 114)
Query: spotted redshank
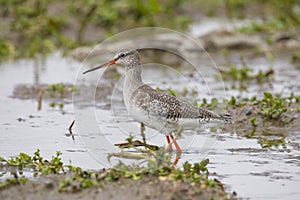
(155, 109)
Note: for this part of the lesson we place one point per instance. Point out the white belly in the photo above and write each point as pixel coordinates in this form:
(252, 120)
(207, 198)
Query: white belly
(162, 124)
(167, 126)
(151, 121)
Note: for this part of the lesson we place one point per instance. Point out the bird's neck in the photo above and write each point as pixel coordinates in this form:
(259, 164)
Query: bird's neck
(132, 82)
(133, 79)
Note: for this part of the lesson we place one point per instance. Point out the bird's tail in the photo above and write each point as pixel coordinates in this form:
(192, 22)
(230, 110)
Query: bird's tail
(212, 116)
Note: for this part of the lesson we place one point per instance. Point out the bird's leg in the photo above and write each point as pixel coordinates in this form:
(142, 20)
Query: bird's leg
(169, 143)
(178, 149)
(178, 156)
(143, 132)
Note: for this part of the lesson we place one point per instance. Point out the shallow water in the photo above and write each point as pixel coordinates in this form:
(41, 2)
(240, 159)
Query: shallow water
(240, 163)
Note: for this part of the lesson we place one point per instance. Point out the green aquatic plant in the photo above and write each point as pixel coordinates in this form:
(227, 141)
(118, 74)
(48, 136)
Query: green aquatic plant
(7, 50)
(269, 107)
(13, 181)
(196, 173)
(41, 166)
(269, 143)
(36, 163)
(211, 105)
(237, 74)
(272, 107)
(253, 121)
(57, 87)
(242, 76)
(296, 57)
(76, 179)
(60, 89)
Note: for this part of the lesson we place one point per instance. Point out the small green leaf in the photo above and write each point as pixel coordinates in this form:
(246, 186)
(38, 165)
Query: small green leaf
(25, 157)
(268, 95)
(13, 162)
(2, 159)
(253, 121)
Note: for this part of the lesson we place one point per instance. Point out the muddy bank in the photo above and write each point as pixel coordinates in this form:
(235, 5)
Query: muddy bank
(149, 187)
(289, 122)
(163, 42)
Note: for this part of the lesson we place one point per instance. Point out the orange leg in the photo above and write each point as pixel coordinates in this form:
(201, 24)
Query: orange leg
(178, 156)
(169, 143)
(176, 144)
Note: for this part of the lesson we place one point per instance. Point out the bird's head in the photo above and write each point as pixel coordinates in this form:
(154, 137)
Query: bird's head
(127, 57)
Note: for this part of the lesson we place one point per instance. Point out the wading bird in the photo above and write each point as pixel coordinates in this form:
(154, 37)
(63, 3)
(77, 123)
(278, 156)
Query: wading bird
(155, 109)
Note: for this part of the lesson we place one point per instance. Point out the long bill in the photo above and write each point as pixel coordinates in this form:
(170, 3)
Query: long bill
(101, 66)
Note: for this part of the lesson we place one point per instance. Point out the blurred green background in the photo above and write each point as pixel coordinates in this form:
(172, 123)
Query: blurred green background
(31, 27)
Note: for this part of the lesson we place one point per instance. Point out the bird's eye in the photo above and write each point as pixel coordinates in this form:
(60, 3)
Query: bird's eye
(122, 55)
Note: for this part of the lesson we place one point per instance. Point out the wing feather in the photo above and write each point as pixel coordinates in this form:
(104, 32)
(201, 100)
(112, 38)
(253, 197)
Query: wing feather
(163, 105)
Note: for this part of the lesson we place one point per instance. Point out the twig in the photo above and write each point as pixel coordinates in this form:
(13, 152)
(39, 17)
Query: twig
(71, 126)
(137, 143)
(40, 98)
(70, 129)
(128, 155)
